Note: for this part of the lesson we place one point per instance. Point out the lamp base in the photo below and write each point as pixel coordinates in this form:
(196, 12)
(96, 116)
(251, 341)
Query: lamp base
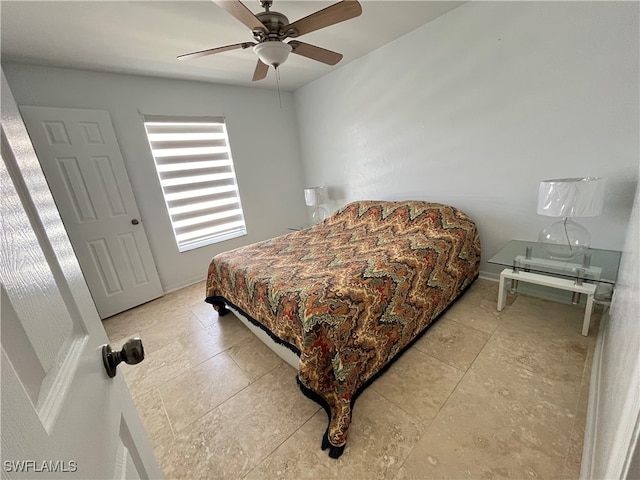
(319, 214)
(564, 239)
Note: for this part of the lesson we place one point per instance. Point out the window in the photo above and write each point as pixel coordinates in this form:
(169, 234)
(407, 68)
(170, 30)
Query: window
(194, 164)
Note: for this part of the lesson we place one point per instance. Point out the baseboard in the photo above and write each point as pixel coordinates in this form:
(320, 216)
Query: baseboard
(494, 277)
(590, 429)
(178, 286)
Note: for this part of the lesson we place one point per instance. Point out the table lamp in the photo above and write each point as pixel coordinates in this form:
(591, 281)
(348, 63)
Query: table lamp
(316, 197)
(568, 198)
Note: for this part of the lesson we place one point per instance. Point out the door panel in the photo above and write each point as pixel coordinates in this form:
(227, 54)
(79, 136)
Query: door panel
(61, 415)
(105, 267)
(109, 185)
(76, 190)
(82, 162)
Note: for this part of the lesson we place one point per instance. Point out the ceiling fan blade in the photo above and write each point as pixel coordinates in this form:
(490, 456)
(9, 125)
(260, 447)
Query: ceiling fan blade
(336, 13)
(315, 53)
(211, 51)
(242, 13)
(261, 71)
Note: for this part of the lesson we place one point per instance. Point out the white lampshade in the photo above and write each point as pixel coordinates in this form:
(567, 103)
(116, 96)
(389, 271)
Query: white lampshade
(315, 196)
(273, 53)
(571, 197)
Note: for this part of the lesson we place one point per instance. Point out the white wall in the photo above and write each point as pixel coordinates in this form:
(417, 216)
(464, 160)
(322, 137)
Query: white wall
(614, 405)
(263, 139)
(478, 106)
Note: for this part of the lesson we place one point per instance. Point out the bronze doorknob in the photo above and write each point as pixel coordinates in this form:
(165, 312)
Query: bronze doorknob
(132, 353)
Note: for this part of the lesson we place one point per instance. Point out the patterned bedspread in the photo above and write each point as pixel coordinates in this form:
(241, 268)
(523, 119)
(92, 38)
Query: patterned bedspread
(352, 292)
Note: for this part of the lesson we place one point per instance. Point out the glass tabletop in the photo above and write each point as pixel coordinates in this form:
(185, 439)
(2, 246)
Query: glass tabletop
(595, 265)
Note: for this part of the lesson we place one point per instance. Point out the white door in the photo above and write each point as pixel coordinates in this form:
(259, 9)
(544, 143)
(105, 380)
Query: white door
(62, 416)
(82, 162)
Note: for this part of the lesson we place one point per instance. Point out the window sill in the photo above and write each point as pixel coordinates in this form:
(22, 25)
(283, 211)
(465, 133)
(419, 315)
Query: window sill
(210, 241)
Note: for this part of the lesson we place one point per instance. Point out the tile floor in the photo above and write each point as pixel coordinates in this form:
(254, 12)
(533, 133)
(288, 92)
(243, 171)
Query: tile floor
(484, 394)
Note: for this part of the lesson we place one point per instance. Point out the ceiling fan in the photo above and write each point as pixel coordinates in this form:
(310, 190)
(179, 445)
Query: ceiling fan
(270, 29)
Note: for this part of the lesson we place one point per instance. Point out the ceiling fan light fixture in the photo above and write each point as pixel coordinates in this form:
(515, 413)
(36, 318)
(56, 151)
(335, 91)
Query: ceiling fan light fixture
(273, 53)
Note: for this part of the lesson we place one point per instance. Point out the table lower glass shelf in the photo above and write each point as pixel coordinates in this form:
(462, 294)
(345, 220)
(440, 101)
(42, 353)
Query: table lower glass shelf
(527, 262)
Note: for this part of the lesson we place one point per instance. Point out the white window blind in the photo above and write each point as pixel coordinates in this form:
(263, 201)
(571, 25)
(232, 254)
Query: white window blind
(195, 168)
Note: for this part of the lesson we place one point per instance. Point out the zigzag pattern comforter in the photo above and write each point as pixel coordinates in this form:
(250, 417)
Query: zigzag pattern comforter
(351, 293)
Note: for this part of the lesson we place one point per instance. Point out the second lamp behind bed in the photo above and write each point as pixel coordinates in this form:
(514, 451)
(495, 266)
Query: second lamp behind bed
(316, 197)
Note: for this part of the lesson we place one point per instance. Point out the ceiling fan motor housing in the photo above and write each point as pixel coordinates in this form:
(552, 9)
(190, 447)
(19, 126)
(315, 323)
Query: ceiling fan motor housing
(274, 21)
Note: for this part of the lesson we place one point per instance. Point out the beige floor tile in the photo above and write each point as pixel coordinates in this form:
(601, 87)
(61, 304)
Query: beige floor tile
(502, 421)
(127, 323)
(418, 383)
(300, 456)
(573, 459)
(233, 438)
(539, 317)
(455, 344)
(509, 388)
(211, 341)
(206, 450)
(544, 337)
(169, 329)
(465, 442)
(556, 357)
(478, 313)
(482, 289)
(185, 297)
(200, 389)
(205, 313)
(267, 412)
(160, 310)
(157, 368)
(154, 417)
(381, 436)
(254, 357)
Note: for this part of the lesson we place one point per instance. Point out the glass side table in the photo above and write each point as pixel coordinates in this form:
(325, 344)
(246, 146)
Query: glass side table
(528, 262)
(299, 227)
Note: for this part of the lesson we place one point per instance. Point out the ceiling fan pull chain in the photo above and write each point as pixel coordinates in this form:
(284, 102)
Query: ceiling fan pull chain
(278, 83)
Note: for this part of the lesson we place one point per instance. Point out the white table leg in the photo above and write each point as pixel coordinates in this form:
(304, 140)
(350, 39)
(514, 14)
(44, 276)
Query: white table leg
(587, 315)
(502, 298)
(548, 281)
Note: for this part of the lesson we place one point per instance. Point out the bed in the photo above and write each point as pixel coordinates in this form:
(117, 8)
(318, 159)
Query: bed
(351, 293)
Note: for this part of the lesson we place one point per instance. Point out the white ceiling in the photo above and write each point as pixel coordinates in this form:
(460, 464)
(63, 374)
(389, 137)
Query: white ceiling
(145, 37)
